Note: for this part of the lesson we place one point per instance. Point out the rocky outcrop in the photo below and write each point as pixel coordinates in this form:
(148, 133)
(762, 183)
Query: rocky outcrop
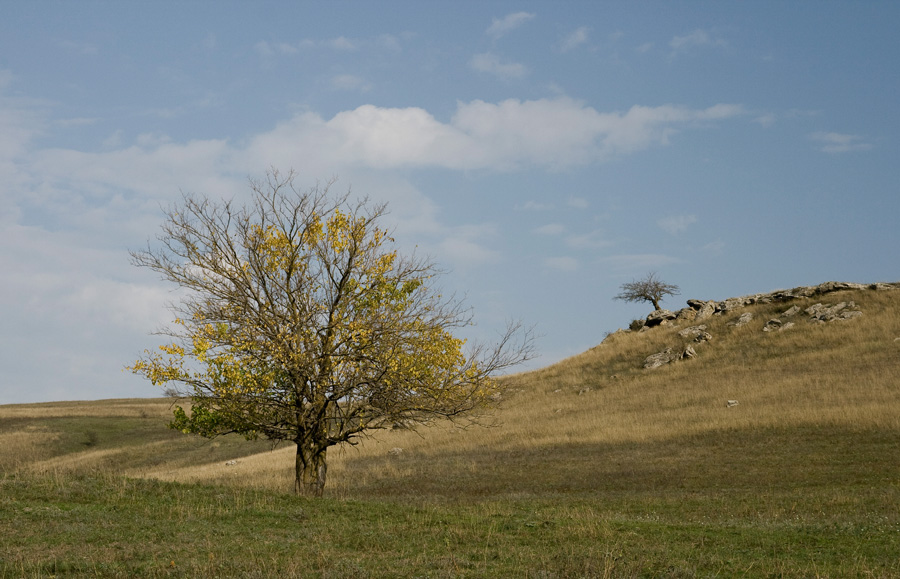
(703, 307)
(698, 310)
(842, 311)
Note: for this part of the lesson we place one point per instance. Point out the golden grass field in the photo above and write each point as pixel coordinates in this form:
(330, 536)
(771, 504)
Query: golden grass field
(591, 423)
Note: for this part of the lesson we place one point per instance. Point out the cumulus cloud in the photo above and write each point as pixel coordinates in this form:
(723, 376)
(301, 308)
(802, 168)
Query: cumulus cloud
(549, 133)
(342, 43)
(574, 39)
(676, 224)
(840, 143)
(350, 82)
(534, 206)
(551, 229)
(592, 240)
(697, 38)
(491, 64)
(500, 27)
(466, 245)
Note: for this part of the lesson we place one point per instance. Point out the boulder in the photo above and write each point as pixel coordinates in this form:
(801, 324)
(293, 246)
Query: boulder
(668, 356)
(659, 317)
(692, 332)
(776, 325)
(792, 311)
(660, 359)
(742, 321)
(703, 337)
(685, 314)
(819, 314)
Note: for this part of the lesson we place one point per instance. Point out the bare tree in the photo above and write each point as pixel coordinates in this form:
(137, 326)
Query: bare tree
(649, 289)
(302, 324)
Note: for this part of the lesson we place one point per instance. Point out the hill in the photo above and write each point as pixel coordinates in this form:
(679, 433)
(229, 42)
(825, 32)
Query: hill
(772, 449)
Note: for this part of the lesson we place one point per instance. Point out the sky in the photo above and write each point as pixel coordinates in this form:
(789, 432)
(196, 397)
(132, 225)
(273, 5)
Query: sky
(541, 153)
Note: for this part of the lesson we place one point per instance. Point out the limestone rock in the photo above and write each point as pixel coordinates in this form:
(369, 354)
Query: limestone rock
(782, 295)
(659, 317)
(704, 309)
(660, 359)
(685, 314)
(703, 337)
(668, 356)
(776, 325)
(820, 314)
(742, 321)
(692, 332)
(793, 311)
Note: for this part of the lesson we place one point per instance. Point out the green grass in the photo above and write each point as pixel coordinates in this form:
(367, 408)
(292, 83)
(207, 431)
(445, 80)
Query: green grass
(103, 526)
(596, 468)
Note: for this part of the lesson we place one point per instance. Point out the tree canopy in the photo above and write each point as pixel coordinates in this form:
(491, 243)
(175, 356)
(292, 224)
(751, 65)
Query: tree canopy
(301, 322)
(649, 289)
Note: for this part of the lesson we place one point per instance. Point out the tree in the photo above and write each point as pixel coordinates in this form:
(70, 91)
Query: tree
(301, 323)
(650, 289)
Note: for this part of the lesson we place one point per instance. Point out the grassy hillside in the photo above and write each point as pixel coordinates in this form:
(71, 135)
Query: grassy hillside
(592, 467)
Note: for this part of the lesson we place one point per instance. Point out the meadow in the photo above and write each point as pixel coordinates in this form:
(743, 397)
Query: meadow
(592, 467)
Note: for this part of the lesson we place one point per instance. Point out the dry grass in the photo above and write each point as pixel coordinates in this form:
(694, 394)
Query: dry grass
(574, 425)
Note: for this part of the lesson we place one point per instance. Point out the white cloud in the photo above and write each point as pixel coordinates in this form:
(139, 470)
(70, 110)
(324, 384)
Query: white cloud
(840, 143)
(342, 43)
(676, 224)
(578, 202)
(592, 240)
(551, 229)
(491, 64)
(466, 246)
(389, 42)
(716, 247)
(534, 206)
(697, 38)
(564, 263)
(766, 120)
(550, 133)
(350, 82)
(575, 39)
(500, 27)
(262, 48)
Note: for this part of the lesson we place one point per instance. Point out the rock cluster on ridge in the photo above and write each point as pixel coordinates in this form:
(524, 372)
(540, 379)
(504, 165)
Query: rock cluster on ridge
(698, 310)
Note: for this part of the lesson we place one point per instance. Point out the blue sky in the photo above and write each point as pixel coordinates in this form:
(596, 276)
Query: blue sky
(543, 153)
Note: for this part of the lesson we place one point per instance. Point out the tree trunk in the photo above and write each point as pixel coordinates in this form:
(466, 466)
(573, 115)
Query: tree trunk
(310, 469)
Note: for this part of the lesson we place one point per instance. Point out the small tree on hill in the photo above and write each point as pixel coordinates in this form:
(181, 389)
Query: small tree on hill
(650, 289)
(302, 324)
